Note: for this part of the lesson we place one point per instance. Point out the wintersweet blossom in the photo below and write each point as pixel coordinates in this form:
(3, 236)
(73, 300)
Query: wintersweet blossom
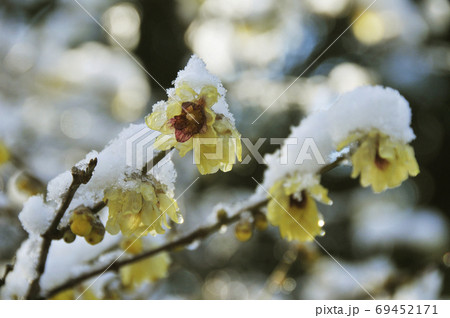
(381, 161)
(220, 152)
(293, 209)
(187, 117)
(149, 269)
(140, 208)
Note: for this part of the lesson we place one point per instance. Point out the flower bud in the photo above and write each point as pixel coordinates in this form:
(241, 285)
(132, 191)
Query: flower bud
(97, 234)
(243, 231)
(81, 221)
(260, 221)
(68, 236)
(222, 215)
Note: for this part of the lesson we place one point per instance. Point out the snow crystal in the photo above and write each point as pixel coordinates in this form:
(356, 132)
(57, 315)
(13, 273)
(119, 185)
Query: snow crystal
(371, 107)
(36, 215)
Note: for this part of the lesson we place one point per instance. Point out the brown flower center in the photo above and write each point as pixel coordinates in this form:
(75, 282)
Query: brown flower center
(300, 204)
(191, 121)
(380, 162)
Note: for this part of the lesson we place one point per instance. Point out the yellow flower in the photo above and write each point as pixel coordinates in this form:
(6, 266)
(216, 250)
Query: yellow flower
(293, 209)
(4, 153)
(150, 269)
(210, 155)
(131, 245)
(189, 117)
(140, 210)
(71, 294)
(381, 161)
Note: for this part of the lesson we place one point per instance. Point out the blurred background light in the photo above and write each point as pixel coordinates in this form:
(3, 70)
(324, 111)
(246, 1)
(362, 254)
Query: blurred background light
(123, 23)
(370, 28)
(345, 77)
(76, 123)
(332, 8)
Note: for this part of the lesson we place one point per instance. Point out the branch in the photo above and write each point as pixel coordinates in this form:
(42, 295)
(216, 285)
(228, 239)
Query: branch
(155, 160)
(8, 269)
(333, 165)
(198, 234)
(79, 177)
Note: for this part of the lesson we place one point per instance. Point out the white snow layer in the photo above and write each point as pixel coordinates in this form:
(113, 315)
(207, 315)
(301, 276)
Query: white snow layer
(197, 76)
(371, 107)
(36, 215)
(24, 272)
(112, 168)
(312, 144)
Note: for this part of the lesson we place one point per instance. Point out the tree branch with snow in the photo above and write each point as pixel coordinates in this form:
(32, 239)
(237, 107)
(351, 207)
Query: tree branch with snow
(117, 205)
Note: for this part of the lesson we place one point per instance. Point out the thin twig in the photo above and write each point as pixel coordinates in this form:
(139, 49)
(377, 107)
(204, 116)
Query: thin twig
(155, 160)
(79, 177)
(198, 234)
(98, 206)
(333, 165)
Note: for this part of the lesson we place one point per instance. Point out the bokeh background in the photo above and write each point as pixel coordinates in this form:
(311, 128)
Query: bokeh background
(67, 87)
